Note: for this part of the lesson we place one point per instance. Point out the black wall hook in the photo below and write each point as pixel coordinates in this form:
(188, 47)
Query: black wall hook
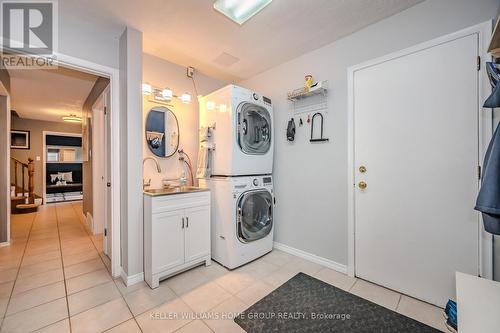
(320, 139)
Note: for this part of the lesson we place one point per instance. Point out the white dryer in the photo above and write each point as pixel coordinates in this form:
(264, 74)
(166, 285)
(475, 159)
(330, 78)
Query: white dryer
(242, 218)
(242, 131)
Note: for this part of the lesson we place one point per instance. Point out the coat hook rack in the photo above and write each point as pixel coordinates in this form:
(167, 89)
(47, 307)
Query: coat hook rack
(321, 138)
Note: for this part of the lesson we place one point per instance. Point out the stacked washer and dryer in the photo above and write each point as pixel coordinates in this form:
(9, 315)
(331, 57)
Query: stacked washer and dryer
(239, 132)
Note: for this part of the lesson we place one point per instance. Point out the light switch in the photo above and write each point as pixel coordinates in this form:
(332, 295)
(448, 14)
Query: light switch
(38, 158)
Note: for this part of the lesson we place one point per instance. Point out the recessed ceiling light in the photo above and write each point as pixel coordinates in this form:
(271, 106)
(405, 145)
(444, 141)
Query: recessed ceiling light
(240, 10)
(72, 119)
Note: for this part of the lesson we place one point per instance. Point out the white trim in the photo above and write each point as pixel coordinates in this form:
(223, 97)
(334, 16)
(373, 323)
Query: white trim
(4, 244)
(114, 77)
(132, 279)
(482, 30)
(311, 257)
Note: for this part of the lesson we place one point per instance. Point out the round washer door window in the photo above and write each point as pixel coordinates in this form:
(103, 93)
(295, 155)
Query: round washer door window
(254, 129)
(255, 215)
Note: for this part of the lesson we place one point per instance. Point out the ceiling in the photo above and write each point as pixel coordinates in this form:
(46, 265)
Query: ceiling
(49, 94)
(192, 33)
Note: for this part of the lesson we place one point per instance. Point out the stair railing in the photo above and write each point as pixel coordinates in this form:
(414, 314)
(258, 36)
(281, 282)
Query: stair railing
(20, 185)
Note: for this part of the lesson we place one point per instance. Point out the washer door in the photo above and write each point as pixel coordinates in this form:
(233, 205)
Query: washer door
(254, 129)
(255, 215)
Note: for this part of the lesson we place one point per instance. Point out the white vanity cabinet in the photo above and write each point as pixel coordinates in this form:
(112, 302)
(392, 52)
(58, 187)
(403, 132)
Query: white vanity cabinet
(176, 233)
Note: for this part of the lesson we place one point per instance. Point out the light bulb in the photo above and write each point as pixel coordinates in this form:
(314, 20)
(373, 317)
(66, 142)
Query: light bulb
(146, 89)
(186, 98)
(167, 94)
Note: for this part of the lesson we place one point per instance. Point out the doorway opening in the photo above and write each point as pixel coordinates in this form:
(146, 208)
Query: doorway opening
(60, 157)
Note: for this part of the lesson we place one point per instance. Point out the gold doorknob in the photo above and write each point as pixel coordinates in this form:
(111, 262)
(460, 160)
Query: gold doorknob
(362, 169)
(362, 185)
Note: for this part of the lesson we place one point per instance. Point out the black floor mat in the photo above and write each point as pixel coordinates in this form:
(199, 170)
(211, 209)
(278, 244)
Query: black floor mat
(305, 304)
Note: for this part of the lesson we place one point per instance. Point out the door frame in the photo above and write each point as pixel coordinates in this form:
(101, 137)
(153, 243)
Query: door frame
(485, 132)
(113, 74)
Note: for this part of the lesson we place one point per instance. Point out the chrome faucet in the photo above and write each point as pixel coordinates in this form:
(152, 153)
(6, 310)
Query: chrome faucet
(158, 168)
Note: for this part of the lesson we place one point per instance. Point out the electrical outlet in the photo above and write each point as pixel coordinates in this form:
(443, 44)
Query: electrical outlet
(190, 71)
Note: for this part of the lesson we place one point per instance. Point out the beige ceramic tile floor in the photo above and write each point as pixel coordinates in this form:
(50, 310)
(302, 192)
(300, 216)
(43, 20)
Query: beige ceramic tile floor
(53, 278)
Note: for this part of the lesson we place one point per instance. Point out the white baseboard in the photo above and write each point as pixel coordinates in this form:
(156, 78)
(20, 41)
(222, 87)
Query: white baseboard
(311, 257)
(132, 279)
(4, 244)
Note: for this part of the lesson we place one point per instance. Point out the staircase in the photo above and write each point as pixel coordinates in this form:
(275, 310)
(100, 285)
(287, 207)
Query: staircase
(22, 187)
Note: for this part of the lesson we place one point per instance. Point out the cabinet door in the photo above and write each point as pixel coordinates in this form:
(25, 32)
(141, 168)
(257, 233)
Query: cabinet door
(197, 233)
(167, 240)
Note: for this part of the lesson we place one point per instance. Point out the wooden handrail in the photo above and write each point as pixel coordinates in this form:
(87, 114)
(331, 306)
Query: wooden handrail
(16, 160)
(30, 169)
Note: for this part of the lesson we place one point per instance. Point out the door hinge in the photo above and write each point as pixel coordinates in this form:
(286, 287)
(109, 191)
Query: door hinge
(479, 172)
(478, 63)
(108, 184)
(105, 110)
(105, 232)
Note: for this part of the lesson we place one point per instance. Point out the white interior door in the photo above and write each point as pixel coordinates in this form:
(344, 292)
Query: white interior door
(416, 133)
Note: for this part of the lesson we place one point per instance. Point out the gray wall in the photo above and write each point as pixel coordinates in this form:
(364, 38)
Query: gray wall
(310, 180)
(131, 153)
(94, 94)
(36, 128)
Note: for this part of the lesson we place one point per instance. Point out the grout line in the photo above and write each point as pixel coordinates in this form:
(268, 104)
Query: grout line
(399, 301)
(52, 324)
(64, 274)
(18, 267)
(91, 240)
(112, 278)
(349, 290)
(30, 308)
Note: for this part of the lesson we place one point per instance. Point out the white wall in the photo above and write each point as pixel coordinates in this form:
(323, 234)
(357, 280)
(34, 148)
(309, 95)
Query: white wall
(80, 38)
(162, 73)
(131, 153)
(310, 179)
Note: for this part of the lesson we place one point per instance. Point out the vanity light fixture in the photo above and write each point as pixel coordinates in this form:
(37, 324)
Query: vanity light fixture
(163, 95)
(72, 118)
(222, 108)
(240, 10)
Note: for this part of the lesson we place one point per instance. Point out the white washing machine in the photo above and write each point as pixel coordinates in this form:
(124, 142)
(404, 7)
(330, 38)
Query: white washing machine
(242, 218)
(242, 131)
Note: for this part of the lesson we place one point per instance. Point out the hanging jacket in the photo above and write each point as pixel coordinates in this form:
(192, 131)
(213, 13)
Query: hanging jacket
(488, 200)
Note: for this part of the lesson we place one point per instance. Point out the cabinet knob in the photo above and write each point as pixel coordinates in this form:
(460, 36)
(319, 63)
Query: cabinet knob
(182, 223)
(187, 222)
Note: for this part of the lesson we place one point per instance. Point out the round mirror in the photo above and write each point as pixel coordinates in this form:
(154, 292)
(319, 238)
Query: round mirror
(162, 131)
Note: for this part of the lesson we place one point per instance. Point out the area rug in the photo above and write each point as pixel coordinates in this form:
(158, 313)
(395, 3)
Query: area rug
(305, 304)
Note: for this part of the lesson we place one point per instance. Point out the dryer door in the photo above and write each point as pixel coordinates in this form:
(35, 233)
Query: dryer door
(255, 215)
(254, 129)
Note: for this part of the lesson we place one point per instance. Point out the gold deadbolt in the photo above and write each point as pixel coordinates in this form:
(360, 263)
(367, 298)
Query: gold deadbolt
(362, 185)
(362, 169)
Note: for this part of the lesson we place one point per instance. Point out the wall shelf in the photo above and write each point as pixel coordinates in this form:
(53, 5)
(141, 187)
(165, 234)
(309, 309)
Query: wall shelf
(494, 47)
(312, 100)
